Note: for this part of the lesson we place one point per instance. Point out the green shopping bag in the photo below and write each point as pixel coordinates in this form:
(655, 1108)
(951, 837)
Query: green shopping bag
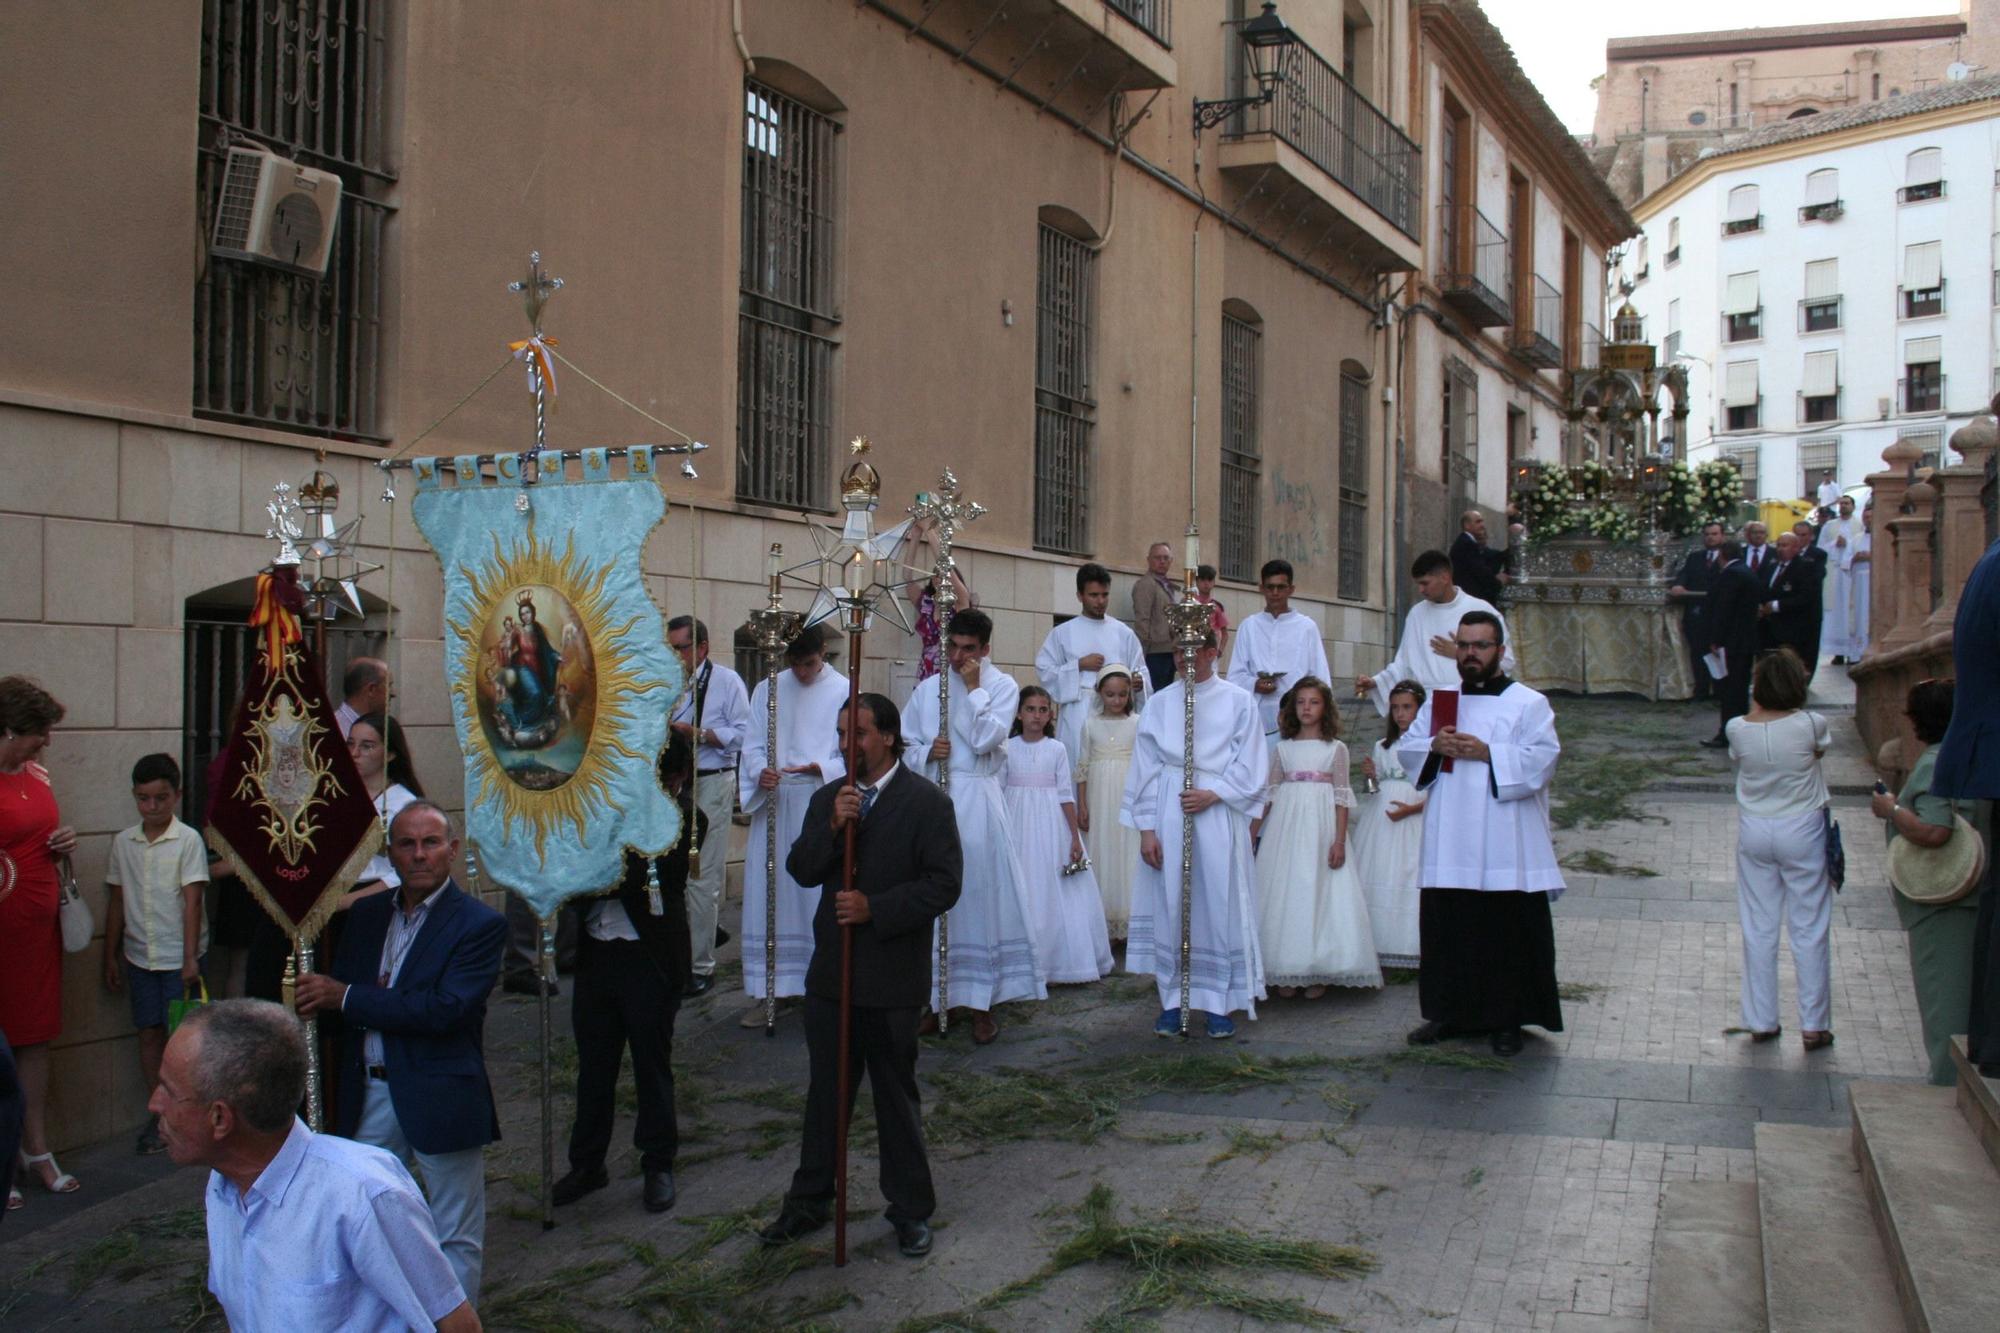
(178, 1010)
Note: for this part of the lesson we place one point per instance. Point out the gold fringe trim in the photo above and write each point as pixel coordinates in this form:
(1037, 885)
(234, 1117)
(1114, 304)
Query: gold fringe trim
(328, 902)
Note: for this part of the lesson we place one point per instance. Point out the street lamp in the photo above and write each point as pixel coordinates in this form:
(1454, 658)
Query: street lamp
(1270, 45)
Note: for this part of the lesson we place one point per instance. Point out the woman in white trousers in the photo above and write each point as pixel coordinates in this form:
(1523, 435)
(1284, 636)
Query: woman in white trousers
(1781, 874)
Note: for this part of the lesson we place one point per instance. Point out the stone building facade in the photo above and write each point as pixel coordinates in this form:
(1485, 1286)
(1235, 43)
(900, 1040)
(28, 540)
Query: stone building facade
(1663, 100)
(1516, 229)
(985, 236)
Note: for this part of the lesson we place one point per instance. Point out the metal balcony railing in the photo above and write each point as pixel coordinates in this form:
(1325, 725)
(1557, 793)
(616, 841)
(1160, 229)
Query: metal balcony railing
(1538, 339)
(1591, 354)
(1475, 278)
(1153, 17)
(1917, 395)
(1322, 116)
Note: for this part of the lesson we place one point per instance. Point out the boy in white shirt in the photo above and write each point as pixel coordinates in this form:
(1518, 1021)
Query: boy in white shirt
(155, 932)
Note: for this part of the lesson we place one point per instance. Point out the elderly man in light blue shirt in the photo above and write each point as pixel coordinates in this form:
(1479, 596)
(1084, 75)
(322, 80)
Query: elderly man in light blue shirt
(305, 1230)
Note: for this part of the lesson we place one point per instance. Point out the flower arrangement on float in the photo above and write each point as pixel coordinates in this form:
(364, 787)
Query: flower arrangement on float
(1592, 500)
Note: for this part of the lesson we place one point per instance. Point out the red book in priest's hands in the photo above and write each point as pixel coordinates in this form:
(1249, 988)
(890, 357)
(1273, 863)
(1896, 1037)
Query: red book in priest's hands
(1444, 713)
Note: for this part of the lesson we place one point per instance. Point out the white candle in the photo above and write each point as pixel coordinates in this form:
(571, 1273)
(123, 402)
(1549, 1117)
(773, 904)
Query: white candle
(1193, 560)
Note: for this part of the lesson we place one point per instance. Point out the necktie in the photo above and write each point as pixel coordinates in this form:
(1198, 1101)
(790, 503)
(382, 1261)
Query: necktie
(867, 800)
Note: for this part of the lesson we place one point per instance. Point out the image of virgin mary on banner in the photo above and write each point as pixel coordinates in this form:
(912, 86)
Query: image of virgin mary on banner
(557, 665)
(290, 814)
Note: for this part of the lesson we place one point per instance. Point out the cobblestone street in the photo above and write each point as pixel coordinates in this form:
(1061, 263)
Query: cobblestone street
(1520, 1196)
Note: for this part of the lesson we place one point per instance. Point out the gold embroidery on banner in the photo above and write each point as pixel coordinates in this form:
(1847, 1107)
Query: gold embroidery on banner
(545, 685)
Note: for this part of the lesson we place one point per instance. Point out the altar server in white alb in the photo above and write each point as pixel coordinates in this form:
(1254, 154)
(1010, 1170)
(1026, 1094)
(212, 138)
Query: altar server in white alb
(811, 695)
(1489, 867)
(1232, 765)
(1276, 648)
(1077, 650)
(713, 714)
(1841, 537)
(992, 954)
(1427, 654)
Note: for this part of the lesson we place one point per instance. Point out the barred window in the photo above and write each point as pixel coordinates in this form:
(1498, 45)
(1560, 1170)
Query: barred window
(1743, 458)
(1817, 457)
(1458, 450)
(1242, 458)
(1353, 486)
(787, 302)
(272, 347)
(1065, 401)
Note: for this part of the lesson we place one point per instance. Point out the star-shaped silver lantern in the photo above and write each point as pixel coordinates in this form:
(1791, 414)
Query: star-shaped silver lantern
(335, 586)
(856, 571)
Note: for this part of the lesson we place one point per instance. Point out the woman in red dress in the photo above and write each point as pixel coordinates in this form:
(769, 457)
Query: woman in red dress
(32, 836)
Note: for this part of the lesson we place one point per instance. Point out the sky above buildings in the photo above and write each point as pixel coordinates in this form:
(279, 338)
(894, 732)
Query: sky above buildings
(1561, 44)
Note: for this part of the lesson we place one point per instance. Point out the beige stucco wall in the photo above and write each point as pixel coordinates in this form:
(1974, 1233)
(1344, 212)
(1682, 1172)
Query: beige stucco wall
(612, 142)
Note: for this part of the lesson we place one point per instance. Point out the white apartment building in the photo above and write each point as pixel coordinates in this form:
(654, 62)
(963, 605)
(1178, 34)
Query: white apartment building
(1831, 285)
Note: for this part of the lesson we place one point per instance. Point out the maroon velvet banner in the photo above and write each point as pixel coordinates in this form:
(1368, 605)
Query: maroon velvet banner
(289, 812)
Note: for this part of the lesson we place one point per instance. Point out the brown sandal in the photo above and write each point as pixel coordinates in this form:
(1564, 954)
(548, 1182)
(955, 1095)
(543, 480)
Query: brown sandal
(1815, 1040)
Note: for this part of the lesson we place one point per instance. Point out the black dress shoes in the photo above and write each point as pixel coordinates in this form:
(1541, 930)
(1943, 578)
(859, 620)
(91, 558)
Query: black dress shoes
(579, 1183)
(721, 937)
(913, 1239)
(527, 983)
(1716, 743)
(1428, 1033)
(1507, 1041)
(792, 1223)
(698, 986)
(659, 1191)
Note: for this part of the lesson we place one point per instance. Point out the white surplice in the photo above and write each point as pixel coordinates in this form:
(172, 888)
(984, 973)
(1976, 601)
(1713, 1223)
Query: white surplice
(808, 733)
(992, 955)
(1415, 659)
(1070, 685)
(1861, 572)
(1226, 971)
(1837, 537)
(1289, 644)
(1486, 824)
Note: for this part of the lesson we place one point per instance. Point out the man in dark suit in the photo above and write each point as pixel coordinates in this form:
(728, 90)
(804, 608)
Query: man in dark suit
(1476, 567)
(1731, 628)
(1968, 768)
(1790, 608)
(908, 867)
(1809, 547)
(633, 961)
(410, 982)
(1690, 589)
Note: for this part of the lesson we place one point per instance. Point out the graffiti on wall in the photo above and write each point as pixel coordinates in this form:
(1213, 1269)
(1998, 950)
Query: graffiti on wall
(1297, 530)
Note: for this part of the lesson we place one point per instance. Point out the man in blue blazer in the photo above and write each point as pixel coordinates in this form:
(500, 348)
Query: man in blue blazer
(1968, 768)
(410, 982)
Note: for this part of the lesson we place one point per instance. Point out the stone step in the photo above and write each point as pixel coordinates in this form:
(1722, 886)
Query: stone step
(1936, 1200)
(1978, 1102)
(1824, 1265)
(1708, 1261)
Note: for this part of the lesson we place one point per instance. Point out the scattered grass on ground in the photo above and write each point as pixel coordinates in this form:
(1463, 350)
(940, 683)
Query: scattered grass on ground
(1594, 861)
(1592, 790)
(1399, 976)
(1244, 1142)
(1473, 1177)
(138, 1247)
(1171, 1264)
(551, 1304)
(1580, 992)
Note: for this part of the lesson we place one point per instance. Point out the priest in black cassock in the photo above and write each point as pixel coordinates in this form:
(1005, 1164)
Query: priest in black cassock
(907, 871)
(1489, 867)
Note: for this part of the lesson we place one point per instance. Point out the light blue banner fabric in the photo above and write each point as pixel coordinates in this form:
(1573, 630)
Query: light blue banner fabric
(559, 673)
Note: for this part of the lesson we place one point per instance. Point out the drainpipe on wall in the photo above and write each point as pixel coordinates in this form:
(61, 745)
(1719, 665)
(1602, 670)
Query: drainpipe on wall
(736, 31)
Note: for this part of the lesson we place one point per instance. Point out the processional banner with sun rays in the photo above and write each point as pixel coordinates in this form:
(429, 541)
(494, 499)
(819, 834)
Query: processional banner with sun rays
(557, 666)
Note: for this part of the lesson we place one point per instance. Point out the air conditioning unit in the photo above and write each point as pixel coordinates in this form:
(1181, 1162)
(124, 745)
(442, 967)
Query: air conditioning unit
(1882, 408)
(274, 211)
